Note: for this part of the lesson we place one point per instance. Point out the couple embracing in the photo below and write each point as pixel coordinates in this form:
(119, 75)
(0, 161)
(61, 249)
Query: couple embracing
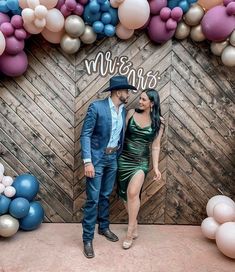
(116, 146)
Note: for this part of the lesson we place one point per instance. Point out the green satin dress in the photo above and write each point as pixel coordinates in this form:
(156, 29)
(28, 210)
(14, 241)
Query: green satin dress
(135, 155)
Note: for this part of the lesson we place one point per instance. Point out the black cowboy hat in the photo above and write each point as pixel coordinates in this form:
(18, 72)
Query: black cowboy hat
(119, 83)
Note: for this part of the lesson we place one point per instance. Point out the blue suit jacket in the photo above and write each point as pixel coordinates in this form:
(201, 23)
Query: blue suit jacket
(96, 130)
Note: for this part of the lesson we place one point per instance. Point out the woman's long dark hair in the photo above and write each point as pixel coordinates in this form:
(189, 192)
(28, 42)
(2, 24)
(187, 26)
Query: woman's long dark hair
(155, 112)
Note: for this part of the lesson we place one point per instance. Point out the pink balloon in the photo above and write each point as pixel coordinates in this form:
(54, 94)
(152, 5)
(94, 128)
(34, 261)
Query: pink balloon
(70, 4)
(171, 24)
(216, 200)
(124, 33)
(4, 18)
(165, 13)
(20, 34)
(224, 213)
(176, 14)
(226, 2)
(7, 29)
(156, 6)
(231, 8)
(217, 25)
(13, 65)
(157, 30)
(225, 239)
(17, 21)
(54, 20)
(83, 2)
(65, 11)
(79, 10)
(14, 46)
(60, 4)
(52, 37)
(209, 227)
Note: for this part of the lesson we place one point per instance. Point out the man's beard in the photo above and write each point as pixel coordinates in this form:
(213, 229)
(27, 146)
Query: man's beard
(123, 100)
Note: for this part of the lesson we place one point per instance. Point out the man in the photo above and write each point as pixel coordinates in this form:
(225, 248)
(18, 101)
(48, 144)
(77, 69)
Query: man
(101, 142)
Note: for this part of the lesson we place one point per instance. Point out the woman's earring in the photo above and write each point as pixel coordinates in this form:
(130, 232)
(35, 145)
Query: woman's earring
(151, 109)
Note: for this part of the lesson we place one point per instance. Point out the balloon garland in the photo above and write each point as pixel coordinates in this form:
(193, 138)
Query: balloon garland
(73, 22)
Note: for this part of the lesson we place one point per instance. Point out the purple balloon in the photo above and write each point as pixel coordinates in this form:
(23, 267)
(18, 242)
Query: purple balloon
(14, 46)
(17, 21)
(226, 2)
(59, 4)
(157, 30)
(165, 13)
(217, 25)
(156, 6)
(4, 18)
(171, 24)
(20, 34)
(79, 9)
(70, 4)
(7, 29)
(83, 2)
(13, 66)
(176, 14)
(231, 8)
(65, 11)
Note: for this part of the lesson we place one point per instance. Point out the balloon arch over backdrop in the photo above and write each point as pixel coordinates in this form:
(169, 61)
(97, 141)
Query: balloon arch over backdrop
(73, 22)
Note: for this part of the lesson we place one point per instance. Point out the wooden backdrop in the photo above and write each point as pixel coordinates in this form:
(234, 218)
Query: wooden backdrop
(41, 115)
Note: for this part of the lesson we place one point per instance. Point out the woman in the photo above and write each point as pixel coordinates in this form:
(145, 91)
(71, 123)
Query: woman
(144, 127)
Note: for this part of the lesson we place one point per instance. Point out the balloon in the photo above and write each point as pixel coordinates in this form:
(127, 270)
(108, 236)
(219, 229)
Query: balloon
(28, 15)
(2, 43)
(70, 45)
(52, 37)
(26, 186)
(2, 188)
(156, 6)
(106, 18)
(228, 56)
(225, 239)
(7, 29)
(13, 45)
(89, 36)
(20, 34)
(7, 181)
(33, 3)
(109, 30)
(23, 4)
(196, 34)
(34, 217)
(114, 16)
(70, 4)
(194, 15)
(98, 27)
(54, 20)
(218, 199)
(40, 12)
(94, 6)
(8, 225)
(17, 21)
(49, 3)
(89, 17)
(218, 47)
(209, 227)
(105, 6)
(9, 191)
(217, 25)
(114, 3)
(124, 33)
(19, 207)
(133, 13)
(209, 4)
(223, 213)
(4, 204)
(182, 31)
(78, 10)
(32, 29)
(2, 168)
(74, 26)
(165, 14)
(232, 38)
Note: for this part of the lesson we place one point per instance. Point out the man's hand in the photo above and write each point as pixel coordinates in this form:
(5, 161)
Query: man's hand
(89, 170)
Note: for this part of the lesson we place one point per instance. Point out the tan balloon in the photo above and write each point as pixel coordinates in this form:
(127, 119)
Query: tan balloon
(232, 38)
(23, 4)
(194, 15)
(228, 56)
(208, 4)
(89, 36)
(182, 30)
(196, 34)
(70, 45)
(54, 20)
(124, 33)
(74, 26)
(49, 3)
(32, 29)
(8, 225)
(52, 37)
(218, 47)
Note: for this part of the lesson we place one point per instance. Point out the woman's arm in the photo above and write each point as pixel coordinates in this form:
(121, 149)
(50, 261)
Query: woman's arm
(129, 115)
(156, 151)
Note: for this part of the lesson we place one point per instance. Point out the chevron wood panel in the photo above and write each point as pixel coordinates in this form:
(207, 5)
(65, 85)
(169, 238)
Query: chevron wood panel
(42, 112)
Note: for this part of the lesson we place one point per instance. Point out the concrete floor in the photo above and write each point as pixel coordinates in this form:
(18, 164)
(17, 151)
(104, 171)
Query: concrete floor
(58, 247)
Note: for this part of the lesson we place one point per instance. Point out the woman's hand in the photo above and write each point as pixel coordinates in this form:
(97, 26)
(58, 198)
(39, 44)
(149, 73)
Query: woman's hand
(157, 175)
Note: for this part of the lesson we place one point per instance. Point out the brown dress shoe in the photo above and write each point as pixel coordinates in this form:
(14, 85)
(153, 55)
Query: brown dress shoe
(88, 249)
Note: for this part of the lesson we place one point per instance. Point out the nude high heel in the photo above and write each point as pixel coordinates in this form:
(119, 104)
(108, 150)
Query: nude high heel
(128, 241)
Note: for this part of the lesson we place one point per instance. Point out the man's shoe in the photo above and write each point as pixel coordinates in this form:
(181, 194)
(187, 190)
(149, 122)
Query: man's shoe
(88, 250)
(109, 235)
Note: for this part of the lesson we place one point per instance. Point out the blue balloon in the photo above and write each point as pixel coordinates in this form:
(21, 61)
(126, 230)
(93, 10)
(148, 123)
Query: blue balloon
(26, 186)
(94, 6)
(12, 4)
(101, 1)
(3, 7)
(4, 204)
(114, 16)
(105, 6)
(98, 27)
(89, 17)
(19, 207)
(109, 30)
(17, 12)
(106, 18)
(34, 217)
(184, 5)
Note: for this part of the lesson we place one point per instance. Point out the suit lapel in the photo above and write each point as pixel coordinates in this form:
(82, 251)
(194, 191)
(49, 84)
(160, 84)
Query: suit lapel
(109, 117)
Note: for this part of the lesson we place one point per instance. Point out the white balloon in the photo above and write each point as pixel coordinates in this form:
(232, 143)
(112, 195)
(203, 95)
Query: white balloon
(224, 213)
(2, 168)
(1, 176)
(209, 227)
(9, 191)
(215, 200)
(7, 180)
(2, 43)
(2, 188)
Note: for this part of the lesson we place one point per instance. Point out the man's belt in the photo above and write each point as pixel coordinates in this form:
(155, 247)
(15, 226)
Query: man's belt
(110, 150)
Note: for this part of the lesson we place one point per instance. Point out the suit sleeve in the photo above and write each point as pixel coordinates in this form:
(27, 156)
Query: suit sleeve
(87, 131)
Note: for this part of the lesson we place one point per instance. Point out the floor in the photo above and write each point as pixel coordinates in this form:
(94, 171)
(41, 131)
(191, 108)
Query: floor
(159, 248)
